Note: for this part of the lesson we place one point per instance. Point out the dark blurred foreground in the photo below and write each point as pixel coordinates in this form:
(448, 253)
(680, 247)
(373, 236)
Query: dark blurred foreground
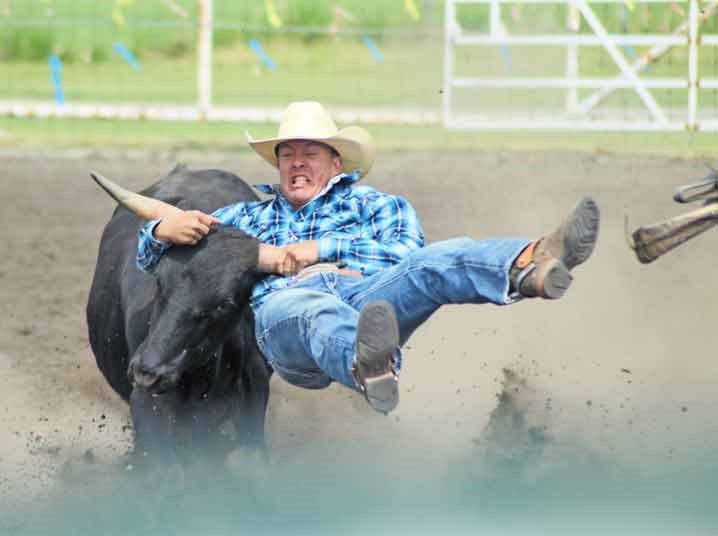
(518, 480)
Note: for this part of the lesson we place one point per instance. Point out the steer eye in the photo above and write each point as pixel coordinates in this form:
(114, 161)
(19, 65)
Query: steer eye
(226, 306)
(213, 311)
(199, 314)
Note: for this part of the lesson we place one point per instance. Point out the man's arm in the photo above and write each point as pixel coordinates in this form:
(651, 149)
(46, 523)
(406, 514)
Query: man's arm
(392, 231)
(190, 226)
(185, 227)
(149, 249)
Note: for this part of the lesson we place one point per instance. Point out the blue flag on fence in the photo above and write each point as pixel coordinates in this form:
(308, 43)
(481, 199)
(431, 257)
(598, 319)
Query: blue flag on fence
(373, 48)
(127, 55)
(56, 74)
(256, 47)
(506, 55)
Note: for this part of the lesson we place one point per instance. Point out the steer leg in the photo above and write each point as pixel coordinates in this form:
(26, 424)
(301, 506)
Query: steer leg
(234, 415)
(158, 438)
(250, 398)
(155, 422)
(253, 386)
(251, 382)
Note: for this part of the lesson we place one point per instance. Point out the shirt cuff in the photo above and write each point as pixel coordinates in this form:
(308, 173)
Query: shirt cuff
(333, 249)
(149, 231)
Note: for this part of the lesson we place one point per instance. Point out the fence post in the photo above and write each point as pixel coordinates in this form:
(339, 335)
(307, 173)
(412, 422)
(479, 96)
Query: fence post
(204, 56)
(693, 65)
(449, 28)
(573, 22)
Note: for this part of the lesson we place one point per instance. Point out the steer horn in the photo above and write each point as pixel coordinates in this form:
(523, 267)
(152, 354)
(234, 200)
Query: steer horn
(651, 241)
(145, 207)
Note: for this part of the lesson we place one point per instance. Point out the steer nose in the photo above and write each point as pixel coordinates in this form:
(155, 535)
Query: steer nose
(141, 376)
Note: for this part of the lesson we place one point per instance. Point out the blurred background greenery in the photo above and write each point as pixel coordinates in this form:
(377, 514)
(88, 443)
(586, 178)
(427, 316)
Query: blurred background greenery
(85, 30)
(321, 52)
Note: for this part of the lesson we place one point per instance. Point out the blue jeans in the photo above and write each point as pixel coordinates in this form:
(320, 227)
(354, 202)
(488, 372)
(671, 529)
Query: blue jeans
(307, 332)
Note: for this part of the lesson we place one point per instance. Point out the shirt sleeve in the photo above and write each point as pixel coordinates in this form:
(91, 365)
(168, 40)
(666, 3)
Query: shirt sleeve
(235, 215)
(390, 231)
(150, 250)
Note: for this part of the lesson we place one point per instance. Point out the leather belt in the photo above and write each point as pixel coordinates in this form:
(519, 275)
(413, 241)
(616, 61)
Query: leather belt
(315, 269)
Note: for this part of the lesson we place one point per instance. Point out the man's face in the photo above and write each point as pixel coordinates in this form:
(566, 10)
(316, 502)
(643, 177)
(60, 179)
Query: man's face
(305, 168)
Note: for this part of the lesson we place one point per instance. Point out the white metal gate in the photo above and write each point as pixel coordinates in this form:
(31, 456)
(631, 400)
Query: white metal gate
(583, 103)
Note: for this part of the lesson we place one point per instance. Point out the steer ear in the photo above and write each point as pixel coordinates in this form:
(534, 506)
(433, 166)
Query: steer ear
(145, 207)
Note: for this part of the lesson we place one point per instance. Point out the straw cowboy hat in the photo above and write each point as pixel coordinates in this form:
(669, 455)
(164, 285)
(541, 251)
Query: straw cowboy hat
(311, 121)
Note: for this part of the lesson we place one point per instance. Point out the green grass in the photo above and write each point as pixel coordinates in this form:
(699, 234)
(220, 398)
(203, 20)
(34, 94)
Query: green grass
(166, 81)
(305, 70)
(81, 30)
(45, 134)
(341, 72)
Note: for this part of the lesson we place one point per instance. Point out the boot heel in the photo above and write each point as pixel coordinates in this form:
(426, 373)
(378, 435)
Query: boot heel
(377, 340)
(382, 392)
(555, 279)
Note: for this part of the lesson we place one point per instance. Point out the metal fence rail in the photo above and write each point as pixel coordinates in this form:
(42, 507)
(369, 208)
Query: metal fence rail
(583, 109)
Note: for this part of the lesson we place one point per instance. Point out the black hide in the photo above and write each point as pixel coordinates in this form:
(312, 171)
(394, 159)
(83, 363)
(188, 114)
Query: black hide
(187, 326)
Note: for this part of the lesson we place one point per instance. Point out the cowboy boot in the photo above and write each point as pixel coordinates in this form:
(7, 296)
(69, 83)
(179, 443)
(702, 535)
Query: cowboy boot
(543, 267)
(376, 342)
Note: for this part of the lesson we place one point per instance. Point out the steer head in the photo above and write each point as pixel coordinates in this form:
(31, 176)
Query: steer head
(202, 292)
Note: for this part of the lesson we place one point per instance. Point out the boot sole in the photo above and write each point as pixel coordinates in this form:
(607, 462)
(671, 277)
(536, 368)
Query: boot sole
(581, 233)
(377, 339)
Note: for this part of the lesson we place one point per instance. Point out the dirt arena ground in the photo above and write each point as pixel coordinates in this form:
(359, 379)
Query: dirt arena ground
(625, 363)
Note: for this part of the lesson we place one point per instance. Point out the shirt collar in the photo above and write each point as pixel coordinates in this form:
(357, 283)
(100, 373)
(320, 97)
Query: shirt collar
(348, 178)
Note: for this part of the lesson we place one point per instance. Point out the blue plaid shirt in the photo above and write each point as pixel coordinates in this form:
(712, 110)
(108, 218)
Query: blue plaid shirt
(367, 229)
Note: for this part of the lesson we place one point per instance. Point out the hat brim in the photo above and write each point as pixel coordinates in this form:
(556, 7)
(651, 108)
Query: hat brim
(354, 144)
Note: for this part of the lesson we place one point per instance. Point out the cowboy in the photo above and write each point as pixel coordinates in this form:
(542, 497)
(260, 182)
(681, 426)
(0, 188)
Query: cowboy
(351, 278)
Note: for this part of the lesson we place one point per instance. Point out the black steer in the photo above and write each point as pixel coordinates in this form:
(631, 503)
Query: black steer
(178, 344)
